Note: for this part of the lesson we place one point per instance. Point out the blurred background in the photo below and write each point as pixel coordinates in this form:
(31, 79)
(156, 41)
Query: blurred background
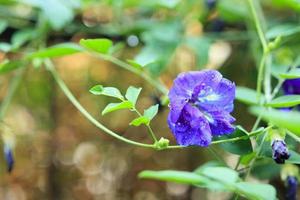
(58, 153)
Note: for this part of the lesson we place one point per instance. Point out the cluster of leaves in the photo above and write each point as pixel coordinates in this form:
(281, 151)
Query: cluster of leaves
(215, 177)
(127, 102)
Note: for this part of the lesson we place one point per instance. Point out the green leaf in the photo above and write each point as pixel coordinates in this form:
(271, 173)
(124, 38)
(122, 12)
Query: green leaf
(173, 176)
(246, 95)
(266, 169)
(233, 10)
(21, 37)
(57, 12)
(56, 51)
(256, 191)
(283, 30)
(289, 120)
(221, 174)
(5, 47)
(97, 45)
(7, 66)
(3, 25)
(147, 56)
(151, 112)
(241, 147)
(285, 101)
(295, 73)
(294, 158)
(106, 91)
(140, 120)
(215, 177)
(246, 159)
(132, 94)
(218, 177)
(116, 106)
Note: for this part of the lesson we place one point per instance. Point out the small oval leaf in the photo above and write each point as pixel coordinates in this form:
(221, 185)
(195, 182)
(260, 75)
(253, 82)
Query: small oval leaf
(97, 45)
(140, 120)
(172, 176)
(285, 101)
(289, 120)
(117, 106)
(56, 51)
(151, 112)
(106, 91)
(246, 95)
(295, 73)
(132, 94)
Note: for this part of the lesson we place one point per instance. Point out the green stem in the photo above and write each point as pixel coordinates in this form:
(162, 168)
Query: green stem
(258, 25)
(264, 43)
(277, 88)
(152, 135)
(11, 91)
(295, 137)
(258, 119)
(158, 85)
(226, 140)
(260, 76)
(267, 80)
(85, 113)
(256, 155)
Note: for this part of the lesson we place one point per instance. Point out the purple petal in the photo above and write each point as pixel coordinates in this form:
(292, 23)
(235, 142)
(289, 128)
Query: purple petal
(221, 122)
(222, 96)
(191, 128)
(184, 87)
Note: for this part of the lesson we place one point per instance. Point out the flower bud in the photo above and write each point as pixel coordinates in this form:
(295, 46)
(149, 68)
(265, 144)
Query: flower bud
(162, 143)
(9, 158)
(280, 151)
(291, 186)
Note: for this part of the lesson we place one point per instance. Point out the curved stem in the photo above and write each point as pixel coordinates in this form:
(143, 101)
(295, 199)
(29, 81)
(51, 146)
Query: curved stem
(11, 91)
(256, 155)
(258, 25)
(158, 85)
(85, 113)
(292, 135)
(260, 75)
(151, 133)
(264, 43)
(226, 140)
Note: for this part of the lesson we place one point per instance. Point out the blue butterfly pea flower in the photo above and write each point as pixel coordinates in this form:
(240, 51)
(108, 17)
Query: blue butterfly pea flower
(200, 107)
(280, 152)
(291, 86)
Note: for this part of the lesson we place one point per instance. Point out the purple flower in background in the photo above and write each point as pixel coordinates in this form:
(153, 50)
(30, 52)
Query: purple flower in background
(200, 107)
(291, 86)
(9, 158)
(280, 152)
(292, 184)
(211, 4)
